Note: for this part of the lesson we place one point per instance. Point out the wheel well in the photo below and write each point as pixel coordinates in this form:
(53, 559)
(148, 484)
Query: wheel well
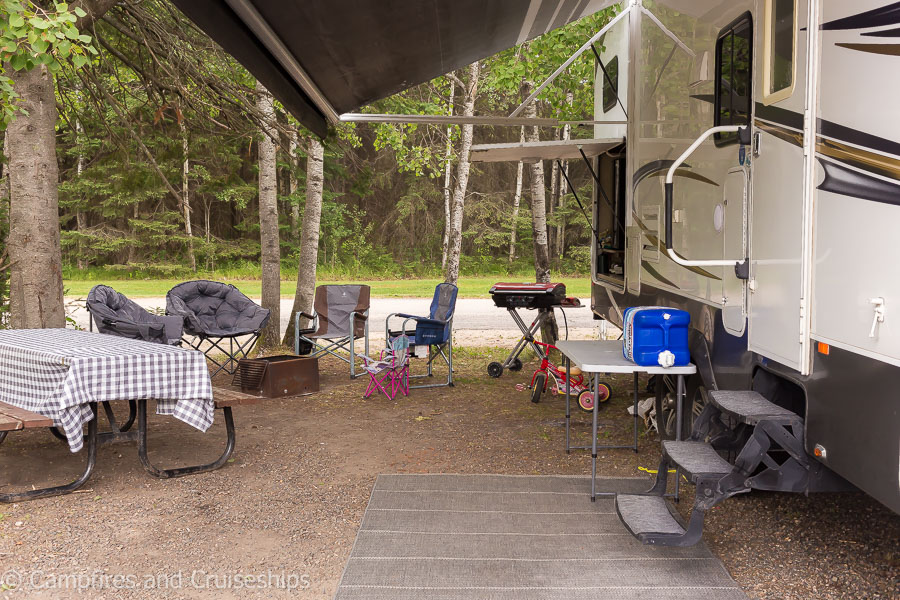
(780, 390)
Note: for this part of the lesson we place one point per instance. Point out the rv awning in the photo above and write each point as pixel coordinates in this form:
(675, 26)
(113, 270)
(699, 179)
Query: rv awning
(534, 151)
(321, 58)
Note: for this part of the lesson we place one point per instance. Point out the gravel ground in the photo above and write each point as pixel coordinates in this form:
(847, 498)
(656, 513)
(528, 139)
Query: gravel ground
(292, 499)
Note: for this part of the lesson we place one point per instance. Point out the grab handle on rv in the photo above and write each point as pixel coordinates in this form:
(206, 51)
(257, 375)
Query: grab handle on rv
(739, 264)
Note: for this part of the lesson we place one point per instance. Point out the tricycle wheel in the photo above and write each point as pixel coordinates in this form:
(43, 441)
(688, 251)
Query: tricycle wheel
(586, 397)
(537, 388)
(516, 365)
(495, 369)
(586, 400)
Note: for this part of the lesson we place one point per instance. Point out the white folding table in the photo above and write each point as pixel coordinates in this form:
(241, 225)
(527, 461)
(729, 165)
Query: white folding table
(599, 356)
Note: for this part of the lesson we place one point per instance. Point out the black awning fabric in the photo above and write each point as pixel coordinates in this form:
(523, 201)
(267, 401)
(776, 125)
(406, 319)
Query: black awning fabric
(357, 51)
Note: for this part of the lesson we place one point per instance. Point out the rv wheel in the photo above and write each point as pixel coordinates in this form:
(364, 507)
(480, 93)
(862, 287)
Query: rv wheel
(666, 416)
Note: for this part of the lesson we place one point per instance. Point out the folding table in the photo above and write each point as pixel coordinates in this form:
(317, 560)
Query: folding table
(599, 356)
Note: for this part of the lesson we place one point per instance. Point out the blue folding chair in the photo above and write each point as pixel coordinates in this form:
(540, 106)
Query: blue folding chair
(434, 332)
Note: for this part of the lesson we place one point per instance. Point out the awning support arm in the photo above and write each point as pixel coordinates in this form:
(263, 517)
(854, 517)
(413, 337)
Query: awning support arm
(668, 32)
(617, 222)
(609, 80)
(570, 60)
(578, 200)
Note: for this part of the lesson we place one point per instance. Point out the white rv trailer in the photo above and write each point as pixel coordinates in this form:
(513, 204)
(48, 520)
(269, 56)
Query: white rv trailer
(781, 238)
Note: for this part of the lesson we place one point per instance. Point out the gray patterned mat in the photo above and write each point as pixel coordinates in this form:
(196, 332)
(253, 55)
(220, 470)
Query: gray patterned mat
(500, 537)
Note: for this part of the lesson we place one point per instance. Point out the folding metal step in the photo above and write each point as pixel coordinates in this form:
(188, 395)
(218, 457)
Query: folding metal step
(751, 407)
(698, 460)
(649, 519)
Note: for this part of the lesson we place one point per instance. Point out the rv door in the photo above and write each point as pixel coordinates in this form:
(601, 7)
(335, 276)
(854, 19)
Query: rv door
(779, 176)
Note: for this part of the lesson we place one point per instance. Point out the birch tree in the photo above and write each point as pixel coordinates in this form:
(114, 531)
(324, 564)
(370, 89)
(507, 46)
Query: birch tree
(270, 253)
(309, 237)
(186, 190)
(470, 90)
(517, 198)
(448, 155)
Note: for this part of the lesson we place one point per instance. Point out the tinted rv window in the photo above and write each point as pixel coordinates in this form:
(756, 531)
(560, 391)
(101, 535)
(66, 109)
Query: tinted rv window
(734, 50)
(781, 45)
(611, 84)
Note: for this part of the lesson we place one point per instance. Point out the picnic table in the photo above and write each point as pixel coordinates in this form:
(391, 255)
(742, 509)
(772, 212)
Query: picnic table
(57, 378)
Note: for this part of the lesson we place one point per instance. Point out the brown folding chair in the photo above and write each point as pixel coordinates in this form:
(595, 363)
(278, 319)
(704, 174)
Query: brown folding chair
(340, 317)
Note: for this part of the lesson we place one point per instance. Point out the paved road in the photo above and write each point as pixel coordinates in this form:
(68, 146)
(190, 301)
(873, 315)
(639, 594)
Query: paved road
(475, 315)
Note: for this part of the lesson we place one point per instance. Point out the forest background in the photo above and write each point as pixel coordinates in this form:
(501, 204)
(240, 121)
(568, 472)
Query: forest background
(161, 146)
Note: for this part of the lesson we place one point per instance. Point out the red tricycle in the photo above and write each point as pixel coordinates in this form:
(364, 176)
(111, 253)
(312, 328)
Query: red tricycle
(548, 375)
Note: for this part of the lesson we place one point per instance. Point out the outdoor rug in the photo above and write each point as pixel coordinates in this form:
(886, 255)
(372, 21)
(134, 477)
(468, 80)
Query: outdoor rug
(502, 537)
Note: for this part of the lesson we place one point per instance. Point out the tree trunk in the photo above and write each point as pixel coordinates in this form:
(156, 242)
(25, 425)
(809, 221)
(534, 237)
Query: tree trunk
(517, 198)
(292, 187)
(549, 332)
(309, 237)
(561, 192)
(462, 178)
(555, 178)
(448, 154)
(36, 288)
(185, 193)
(270, 253)
(80, 216)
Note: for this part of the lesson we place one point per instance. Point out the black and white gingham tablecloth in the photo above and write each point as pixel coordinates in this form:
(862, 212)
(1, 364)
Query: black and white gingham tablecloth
(58, 372)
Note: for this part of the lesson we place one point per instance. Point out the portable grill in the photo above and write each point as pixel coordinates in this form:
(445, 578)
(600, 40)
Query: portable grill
(543, 297)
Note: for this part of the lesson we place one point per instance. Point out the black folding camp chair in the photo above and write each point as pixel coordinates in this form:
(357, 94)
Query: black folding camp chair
(214, 312)
(341, 316)
(115, 314)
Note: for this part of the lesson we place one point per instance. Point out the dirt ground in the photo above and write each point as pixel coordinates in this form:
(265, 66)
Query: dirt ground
(287, 508)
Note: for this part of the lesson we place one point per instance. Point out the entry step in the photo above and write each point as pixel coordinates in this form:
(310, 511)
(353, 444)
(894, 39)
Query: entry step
(648, 518)
(751, 407)
(698, 460)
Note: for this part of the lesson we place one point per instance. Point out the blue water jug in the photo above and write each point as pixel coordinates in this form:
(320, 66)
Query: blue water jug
(651, 330)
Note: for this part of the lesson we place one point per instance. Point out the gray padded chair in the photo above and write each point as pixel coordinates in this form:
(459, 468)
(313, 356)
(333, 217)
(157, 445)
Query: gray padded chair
(214, 312)
(113, 313)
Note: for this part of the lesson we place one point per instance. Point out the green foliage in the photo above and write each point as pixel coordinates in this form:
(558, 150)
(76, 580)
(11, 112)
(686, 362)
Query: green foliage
(31, 36)
(383, 209)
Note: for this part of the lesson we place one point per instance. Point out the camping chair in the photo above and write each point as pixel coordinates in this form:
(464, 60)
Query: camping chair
(214, 312)
(115, 314)
(434, 331)
(340, 317)
(392, 365)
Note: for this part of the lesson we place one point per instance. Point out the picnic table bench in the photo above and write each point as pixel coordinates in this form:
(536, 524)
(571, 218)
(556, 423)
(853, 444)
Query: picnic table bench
(56, 379)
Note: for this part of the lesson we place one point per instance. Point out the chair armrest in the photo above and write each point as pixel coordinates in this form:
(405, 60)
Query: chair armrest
(313, 318)
(424, 320)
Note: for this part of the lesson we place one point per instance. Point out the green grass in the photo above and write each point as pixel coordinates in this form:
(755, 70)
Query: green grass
(469, 287)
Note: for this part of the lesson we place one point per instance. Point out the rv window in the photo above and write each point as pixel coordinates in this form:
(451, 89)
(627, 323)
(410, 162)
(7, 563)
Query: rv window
(779, 49)
(734, 50)
(611, 84)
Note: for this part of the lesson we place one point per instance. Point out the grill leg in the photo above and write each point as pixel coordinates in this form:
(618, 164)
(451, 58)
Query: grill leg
(68, 488)
(181, 471)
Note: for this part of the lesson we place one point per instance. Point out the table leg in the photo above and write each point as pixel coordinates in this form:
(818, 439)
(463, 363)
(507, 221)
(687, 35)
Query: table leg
(70, 487)
(169, 473)
(679, 420)
(594, 438)
(568, 413)
(635, 412)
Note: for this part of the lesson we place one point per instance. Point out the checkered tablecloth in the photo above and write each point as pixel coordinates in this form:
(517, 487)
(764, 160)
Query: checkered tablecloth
(58, 372)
